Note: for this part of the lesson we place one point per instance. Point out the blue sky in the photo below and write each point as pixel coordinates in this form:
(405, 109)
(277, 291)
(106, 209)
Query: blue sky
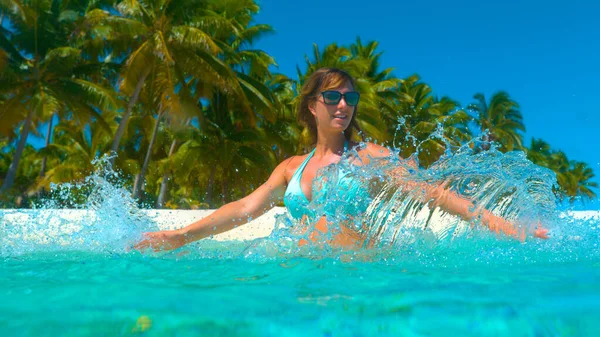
(543, 53)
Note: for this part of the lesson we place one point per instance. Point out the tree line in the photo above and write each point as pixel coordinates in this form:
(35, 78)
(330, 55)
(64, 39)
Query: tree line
(196, 116)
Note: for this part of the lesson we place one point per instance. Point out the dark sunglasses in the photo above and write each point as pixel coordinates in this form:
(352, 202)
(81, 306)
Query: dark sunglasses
(332, 97)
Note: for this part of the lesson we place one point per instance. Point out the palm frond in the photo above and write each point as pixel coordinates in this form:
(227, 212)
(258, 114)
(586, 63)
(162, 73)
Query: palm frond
(193, 38)
(14, 8)
(136, 66)
(97, 95)
(13, 111)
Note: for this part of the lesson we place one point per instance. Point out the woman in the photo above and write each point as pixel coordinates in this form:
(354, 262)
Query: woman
(328, 108)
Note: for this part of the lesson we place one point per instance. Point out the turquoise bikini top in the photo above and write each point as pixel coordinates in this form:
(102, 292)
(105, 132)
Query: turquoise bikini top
(342, 196)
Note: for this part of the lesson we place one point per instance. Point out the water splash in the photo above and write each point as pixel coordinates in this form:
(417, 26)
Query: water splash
(506, 184)
(397, 224)
(100, 216)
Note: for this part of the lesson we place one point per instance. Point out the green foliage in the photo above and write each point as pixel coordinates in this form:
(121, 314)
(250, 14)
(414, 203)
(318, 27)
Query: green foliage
(195, 111)
(573, 177)
(502, 118)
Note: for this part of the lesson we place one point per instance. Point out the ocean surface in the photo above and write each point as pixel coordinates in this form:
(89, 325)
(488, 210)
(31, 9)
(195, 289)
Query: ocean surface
(81, 293)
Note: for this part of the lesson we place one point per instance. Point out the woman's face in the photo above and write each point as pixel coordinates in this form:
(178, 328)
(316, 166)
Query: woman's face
(333, 117)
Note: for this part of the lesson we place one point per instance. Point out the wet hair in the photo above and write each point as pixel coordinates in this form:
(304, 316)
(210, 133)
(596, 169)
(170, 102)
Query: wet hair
(321, 80)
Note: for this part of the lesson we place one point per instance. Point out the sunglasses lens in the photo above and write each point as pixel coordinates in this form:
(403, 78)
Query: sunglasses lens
(331, 97)
(351, 98)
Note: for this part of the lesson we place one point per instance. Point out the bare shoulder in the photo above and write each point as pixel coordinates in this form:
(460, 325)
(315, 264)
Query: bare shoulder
(292, 163)
(288, 167)
(367, 151)
(372, 151)
(377, 151)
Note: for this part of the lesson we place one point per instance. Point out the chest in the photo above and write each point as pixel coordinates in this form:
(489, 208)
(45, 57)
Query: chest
(310, 172)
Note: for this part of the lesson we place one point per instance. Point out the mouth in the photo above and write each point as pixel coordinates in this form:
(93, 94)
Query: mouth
(341, 117)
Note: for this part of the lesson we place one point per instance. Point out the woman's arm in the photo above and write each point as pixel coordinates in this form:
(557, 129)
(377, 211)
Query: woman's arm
(453, 203)
(227, 217)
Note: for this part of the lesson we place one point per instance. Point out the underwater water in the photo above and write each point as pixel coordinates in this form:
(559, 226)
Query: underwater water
(424, 273)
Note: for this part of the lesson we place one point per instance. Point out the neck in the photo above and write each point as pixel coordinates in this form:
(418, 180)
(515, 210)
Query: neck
(330, 144)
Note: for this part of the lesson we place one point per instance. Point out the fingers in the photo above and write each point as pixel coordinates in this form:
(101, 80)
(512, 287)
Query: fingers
(150, 241)
(156, 246)
(541, 233)
(141, 245)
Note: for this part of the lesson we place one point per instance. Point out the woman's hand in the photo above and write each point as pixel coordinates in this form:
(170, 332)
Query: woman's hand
(163, 240)
(499, 225)
(540, 232)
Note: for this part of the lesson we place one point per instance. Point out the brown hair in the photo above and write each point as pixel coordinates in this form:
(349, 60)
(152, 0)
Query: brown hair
(321, 80)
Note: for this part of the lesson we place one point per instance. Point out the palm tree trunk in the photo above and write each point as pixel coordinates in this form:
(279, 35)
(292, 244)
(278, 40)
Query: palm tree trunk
(140, 179)
(125, 118)
(162, 195)
(226, 193)
(211, 185)
(48, 137)
(485, 146)
(135, 181)
(12, 169)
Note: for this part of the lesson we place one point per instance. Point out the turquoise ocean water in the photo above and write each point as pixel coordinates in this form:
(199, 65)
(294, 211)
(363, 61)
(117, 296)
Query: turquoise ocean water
(86, 294)
(419, 279)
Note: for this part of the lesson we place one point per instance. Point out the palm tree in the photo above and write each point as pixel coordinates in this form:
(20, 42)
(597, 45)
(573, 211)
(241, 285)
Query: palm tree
(227, 154)
(25, 177)
(580, 175)
(49, 129)
(501, 118)
(73, 151)
(169, 40)
(39, 80)
(573, 177)
(172, 42)
(377, 87)
(421, 117)
(5, 155)
(283, 131)
(251, 69)
(539, 152)
(166, 176)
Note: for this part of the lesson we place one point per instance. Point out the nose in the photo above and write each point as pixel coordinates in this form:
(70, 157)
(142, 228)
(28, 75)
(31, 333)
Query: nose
(342, 104)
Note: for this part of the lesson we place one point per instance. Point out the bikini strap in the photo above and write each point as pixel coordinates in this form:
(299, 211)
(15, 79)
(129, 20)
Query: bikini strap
(300, 168)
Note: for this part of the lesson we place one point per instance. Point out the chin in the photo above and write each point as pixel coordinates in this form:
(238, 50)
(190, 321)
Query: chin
(340, 128)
